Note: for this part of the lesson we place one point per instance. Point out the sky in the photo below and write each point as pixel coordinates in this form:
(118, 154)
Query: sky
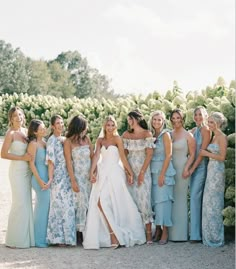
(140, 45)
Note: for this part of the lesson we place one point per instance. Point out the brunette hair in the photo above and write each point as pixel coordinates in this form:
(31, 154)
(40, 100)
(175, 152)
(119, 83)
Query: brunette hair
(53, 120)
(179, 112)
(76, 127)
(33, 127)
(137, 115)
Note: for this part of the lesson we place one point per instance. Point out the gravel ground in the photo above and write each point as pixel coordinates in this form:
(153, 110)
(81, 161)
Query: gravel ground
(170, 256)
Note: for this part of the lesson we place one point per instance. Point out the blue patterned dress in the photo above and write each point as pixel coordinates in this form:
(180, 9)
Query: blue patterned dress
(162, 197)
(81, 165)
(61, 221)
(141, 194)
(197, 183)
(42, 200)
(213, 202)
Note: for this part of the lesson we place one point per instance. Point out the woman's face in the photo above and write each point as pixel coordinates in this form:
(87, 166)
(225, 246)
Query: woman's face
(198, 118)
(110, 127)
(41, 132)
(157, 122)
(212, 124)
(130, 121)
(176, 120)
(17, 118)
(58, 126)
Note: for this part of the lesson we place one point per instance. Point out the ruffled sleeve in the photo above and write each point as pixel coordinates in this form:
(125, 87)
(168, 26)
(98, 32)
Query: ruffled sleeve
(138, 144)
(50, 150)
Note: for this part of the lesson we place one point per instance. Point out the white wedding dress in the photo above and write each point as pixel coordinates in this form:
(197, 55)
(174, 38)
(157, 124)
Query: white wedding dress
(117, 204)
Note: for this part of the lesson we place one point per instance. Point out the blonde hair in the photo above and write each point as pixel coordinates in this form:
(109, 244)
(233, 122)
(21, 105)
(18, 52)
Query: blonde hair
(157, 113)
(219, 119)
(109, 118)
(203, 111)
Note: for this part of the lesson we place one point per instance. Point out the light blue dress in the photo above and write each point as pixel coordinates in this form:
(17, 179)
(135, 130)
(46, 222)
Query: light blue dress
(213, 202)
(179, 230)
(141, 194)
(61, 221)
(162, 197)
(81, 165)
(197, 183)
(42, 200)
(20, 230)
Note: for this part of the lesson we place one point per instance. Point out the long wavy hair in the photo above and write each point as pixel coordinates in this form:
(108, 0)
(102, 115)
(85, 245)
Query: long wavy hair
(33, 127)
(109, 118)
(76, 128)
(138, 116)
(10, 115)
(204, 113)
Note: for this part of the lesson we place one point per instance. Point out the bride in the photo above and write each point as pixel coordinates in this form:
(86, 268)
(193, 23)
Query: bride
(113, 219)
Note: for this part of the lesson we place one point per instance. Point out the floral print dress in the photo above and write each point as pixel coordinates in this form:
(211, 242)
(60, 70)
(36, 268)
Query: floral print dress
(141, 194)
(61, 220)
(81, 165)
(213, 202)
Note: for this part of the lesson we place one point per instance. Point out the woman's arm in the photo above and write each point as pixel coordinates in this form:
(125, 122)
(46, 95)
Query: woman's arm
(149, 153)
(67, 153)
(206, 137)
(6, 146)
(123, 158)
(95, 159)
(90, 148)
(168, 154)
(32, 149)
(223, 149)
(191, 150)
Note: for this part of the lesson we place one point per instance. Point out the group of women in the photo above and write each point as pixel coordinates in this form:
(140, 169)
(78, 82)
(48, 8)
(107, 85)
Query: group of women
(129, 190)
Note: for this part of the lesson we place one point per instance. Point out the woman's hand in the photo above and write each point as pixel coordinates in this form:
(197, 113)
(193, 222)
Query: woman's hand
(74, 186)
(141, 178)
(130, 178)
(27, 157)
(185, 173)
(93, 178)
(203, 153)
(161, 180)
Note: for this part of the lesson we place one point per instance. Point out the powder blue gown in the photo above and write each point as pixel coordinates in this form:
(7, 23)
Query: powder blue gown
(213, 202)
(42, 200)
(162, 197)
(197, 183)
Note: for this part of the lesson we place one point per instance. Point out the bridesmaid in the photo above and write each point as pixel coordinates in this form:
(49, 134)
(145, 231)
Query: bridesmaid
(162, 177)
(20, 230)
(138, 144)
(183, 156)
(78, 151)
(61, 221)
(37, 149)
(213, 196)
(197, 172)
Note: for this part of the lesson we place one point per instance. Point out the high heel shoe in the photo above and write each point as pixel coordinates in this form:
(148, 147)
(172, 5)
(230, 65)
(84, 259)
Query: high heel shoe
(163, 242)
(115, 245)
(149, 242)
